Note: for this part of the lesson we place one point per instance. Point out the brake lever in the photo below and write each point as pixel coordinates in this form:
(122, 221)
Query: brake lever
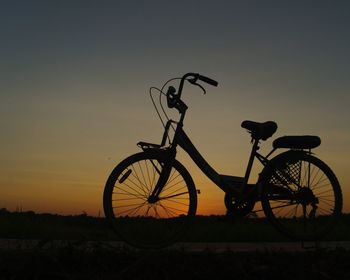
(193, 81)
(202, 88)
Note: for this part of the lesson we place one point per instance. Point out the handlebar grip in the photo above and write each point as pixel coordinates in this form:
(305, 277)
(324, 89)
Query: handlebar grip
(208, 80)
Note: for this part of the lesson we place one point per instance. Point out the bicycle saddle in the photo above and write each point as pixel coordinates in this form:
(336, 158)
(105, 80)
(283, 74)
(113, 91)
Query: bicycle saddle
(260, 130)
(297, 142)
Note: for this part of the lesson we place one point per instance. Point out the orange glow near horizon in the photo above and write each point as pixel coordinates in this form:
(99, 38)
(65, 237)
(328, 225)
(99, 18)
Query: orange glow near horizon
(49, 194)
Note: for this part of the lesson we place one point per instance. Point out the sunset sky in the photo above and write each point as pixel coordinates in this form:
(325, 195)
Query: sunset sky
(75, 75)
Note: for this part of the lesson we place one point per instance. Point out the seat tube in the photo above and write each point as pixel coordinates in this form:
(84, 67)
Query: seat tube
(250, 163)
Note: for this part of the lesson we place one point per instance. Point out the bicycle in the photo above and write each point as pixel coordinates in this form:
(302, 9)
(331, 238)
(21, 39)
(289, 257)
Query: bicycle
(150, 197)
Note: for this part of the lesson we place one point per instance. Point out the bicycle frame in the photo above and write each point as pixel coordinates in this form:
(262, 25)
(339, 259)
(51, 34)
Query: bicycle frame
(185, 143)
(180, 138)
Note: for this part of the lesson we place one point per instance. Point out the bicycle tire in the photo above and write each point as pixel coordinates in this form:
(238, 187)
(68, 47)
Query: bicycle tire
(301, 196)
(135, 220)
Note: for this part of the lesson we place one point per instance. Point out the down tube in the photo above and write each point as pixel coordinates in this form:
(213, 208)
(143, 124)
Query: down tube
(185, 143)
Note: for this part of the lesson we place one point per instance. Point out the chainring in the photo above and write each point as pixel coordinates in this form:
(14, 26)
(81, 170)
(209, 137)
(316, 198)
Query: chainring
(238, 207)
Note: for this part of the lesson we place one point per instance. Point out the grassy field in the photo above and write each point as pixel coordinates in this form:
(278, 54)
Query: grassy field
(29, 225)
(102, 262)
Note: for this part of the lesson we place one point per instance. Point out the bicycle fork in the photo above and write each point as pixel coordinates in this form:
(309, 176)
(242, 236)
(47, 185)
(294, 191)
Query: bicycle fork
(164, 174)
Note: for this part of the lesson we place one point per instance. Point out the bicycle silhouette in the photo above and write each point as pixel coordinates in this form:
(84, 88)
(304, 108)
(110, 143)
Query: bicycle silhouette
(150, 197)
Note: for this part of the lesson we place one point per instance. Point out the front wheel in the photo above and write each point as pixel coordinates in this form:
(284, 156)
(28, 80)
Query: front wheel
(139, 219)
(301, 196)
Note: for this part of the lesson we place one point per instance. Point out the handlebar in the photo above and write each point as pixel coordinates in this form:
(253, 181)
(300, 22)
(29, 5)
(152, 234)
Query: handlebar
(192, 78)
(174, 99)
(208, 80)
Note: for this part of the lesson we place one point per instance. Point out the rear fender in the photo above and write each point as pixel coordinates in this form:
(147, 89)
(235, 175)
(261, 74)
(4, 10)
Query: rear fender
(273, 162)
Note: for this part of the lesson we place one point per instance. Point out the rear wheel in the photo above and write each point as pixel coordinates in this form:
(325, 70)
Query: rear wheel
(137, 218)
(301, 196)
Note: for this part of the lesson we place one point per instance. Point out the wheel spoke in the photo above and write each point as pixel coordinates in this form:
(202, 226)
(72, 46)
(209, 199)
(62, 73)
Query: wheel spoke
(171, 196)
